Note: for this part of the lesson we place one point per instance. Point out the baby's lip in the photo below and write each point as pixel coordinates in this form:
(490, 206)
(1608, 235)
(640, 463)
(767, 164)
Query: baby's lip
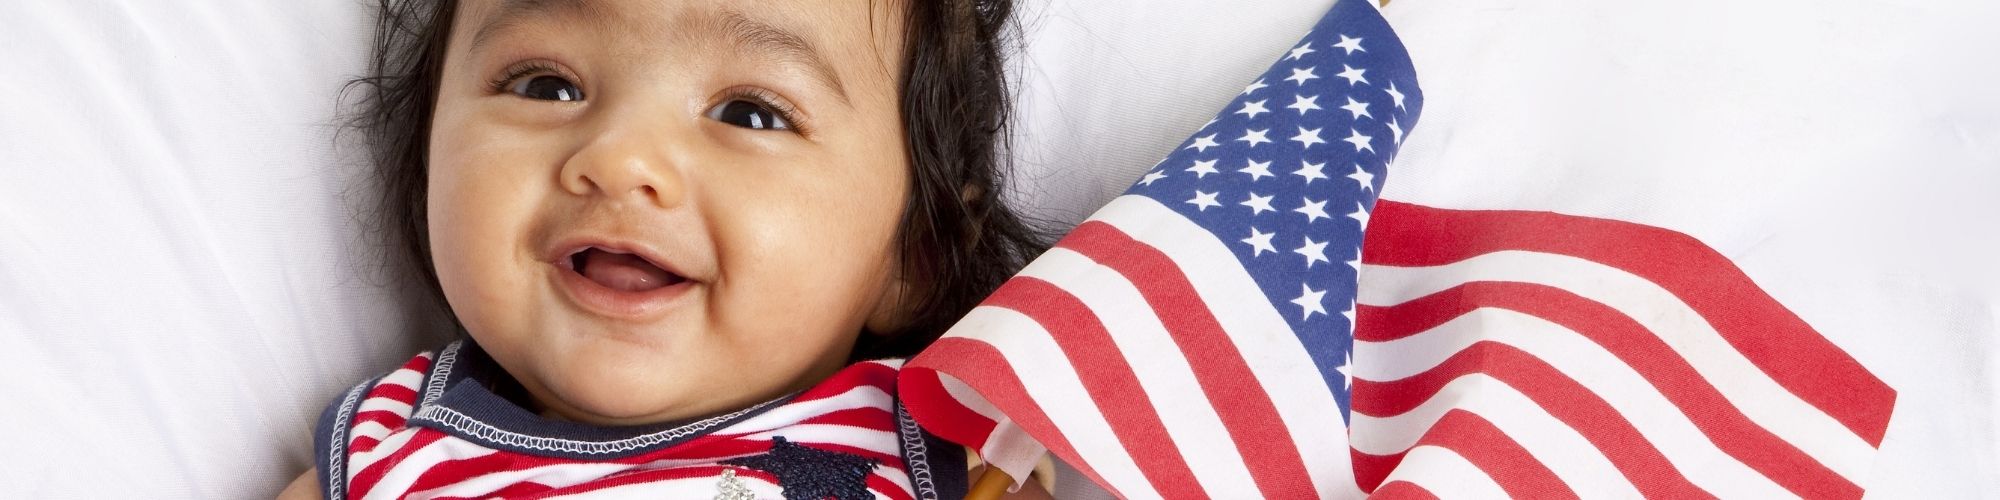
(617, 300)
(561, 253)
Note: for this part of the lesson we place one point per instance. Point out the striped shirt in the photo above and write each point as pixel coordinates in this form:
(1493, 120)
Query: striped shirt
(433, 429)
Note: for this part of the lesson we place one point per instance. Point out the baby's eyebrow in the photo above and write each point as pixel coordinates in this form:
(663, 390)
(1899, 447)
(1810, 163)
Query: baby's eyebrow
(758, 36)
(513, 11)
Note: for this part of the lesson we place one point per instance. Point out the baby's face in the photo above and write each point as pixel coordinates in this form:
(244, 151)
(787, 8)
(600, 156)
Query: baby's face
(654, 210)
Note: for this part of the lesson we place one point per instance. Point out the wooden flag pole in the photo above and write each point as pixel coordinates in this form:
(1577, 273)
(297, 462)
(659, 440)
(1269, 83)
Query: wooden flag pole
(991, 485)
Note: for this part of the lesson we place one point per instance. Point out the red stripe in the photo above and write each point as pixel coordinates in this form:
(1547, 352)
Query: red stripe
(1767, 333)
(1109, 379)
(1480, 443)
(1225, 377)
(366, 479)
(389, 419)
(1724, 424)
(1557, 394)
(651, 476)
(1402, 490)
(850, 378)
(924, 394)
(982, 367)
(396, 392)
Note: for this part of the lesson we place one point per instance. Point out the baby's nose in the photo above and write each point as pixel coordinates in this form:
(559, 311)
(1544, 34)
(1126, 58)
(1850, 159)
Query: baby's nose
(624, 167)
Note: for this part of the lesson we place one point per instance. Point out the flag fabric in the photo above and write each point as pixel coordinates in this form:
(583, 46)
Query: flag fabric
(1540, 355)
(1193, 338)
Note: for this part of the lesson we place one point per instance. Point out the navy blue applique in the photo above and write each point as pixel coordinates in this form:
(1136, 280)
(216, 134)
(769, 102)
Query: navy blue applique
(808, 473)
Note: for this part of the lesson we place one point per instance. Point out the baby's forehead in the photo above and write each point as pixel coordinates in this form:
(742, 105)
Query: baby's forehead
(834, 41)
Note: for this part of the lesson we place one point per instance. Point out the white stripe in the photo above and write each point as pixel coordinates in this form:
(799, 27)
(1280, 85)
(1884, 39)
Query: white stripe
(879, 441)
(895, 476)
(1163, 372)
(1266, 341)
(862, 396)
(970, 399)
(1010, 448)
(1690, 336)
(369, 429)
(385, 404)
(1047, 375)
(692, 487)
(1588, 364)
(358, 461)
(1446, 474)
(404, 473)
(553, 475)
(403, 377)
(1554, 444)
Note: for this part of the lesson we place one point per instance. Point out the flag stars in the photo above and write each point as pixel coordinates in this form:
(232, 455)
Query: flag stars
(1307, 138)
(1360, 215)
(1349, 313)
(1360, 142)
(1310, 300)
(1201, 144)
(1311, 171)
(1351, 45)
(1257, 170)
(1254, 86)
(1395, 131)
(1300, 51)
(1362, 177)
(1352, 75)
(1260, 242)
(1346, 369)
(1203, 168)
(1357, 108)
(1255, 137)
(1150, 177)
(1301, 75)
(1314, 210)
(1394, 95)
(1203, 200)
(1252, 109)
(1356, 261)
(1314, 252)
(1304, 103)
(1259, 204)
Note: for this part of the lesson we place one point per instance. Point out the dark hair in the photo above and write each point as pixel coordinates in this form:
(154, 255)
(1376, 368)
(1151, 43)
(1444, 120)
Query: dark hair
(957, 238)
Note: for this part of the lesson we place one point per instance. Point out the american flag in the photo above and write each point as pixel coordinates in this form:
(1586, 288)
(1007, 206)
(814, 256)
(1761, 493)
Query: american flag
(1193, 338)
(1535, 354)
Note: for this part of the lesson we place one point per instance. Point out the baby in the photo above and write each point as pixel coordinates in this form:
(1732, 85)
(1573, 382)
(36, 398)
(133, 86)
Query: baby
(685, 241)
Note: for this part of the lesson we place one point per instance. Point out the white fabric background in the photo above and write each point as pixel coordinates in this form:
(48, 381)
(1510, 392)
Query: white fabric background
(183, 283)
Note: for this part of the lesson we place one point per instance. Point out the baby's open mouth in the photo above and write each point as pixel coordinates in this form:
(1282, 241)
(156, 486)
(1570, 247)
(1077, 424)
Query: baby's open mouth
(621, 271)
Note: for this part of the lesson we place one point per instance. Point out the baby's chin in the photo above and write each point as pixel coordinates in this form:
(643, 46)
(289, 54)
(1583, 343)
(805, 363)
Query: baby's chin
(616, 394)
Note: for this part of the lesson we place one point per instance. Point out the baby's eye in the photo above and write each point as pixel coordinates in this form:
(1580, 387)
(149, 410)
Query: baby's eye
(547, 88)
(748, 114)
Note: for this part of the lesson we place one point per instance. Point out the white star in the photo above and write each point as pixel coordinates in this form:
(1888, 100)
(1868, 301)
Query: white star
(1346, 369)
(1257, 170)
(1362, 177)
(1311, 171)
(1349, 313)
(1315, 251)
(1357, 108)
(1259, 204)
(1254, 86)
(1201, 144)
(1356, 261)
(1360, 215)
(1253, 109)
(1152, 176)
(1301, 51)
(1307, 138)
(1301, 75)
(1352, 75)
(1203, 200)
(1203, 168)
(1204, 125)
(1304, 104)
(1359, 141)
(1395, 131)
(1260, 242)
(1254, 137)
(1393, 94)
(1351, 45)
(1309, 300)
(1314, 210)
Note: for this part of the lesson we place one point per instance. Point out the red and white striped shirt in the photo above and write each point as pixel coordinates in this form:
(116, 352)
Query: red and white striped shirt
(432, 429)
